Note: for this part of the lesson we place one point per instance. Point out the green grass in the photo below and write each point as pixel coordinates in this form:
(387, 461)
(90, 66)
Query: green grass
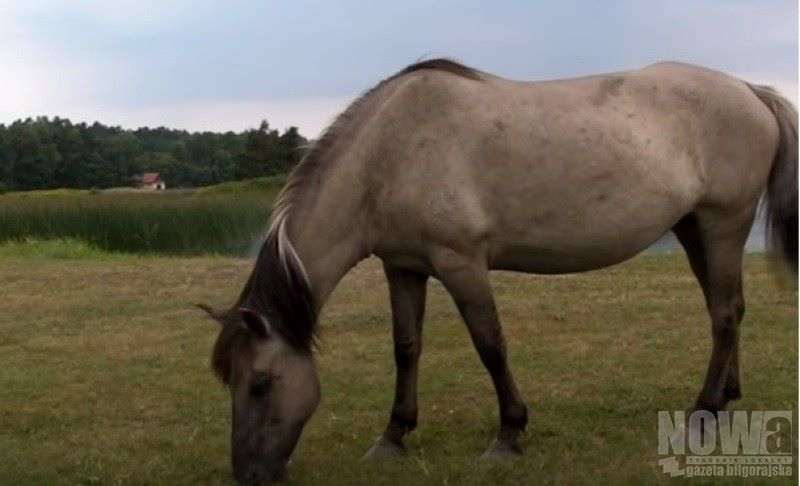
(57, 249)
(169, 222)
(264, 185)
(261, 186)
(104, 373)
(46, 193)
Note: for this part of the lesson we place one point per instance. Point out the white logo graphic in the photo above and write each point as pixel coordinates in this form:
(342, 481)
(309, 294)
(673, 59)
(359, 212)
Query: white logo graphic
(743, 444)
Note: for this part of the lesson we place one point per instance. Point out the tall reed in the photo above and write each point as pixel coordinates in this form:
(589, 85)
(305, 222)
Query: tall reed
(174, 223)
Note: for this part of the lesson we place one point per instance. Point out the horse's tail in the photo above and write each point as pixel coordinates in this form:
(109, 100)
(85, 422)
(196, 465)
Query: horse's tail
(781, 196)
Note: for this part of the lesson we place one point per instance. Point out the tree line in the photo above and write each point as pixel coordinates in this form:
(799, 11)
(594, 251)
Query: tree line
(43, 153)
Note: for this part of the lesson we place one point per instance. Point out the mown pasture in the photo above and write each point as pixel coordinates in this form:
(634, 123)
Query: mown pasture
(104, 372)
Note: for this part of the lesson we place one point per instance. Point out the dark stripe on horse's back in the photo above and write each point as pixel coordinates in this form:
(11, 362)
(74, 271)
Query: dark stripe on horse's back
(443, 64)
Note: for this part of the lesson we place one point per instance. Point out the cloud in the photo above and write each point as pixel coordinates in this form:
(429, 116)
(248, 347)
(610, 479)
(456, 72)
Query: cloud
(121, 16)
(729, 35)
(211, 65)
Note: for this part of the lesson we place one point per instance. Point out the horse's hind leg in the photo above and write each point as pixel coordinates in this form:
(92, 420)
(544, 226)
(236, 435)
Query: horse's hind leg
(714, 244)
(688, 232)
(407, 294)
(467, 280)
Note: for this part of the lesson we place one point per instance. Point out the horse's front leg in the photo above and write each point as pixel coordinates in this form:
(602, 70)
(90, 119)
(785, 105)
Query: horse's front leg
(407, 293)
(467, 280)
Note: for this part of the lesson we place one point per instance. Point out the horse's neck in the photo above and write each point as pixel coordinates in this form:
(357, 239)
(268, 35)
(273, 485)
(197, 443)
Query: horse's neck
(327, 225)
(327, 234)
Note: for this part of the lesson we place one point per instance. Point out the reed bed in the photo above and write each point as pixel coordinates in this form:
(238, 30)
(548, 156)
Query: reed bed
(169, 223)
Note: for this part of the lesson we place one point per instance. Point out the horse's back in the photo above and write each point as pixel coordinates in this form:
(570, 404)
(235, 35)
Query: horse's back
(564, 175)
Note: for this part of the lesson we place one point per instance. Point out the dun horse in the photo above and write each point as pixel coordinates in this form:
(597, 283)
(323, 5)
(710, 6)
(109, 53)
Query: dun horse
(448, 172)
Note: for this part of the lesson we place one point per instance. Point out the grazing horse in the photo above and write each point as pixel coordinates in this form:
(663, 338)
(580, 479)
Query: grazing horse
(445, 171)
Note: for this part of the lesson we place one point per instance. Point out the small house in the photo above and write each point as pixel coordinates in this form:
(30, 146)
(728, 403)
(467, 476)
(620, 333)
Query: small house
(151, 181)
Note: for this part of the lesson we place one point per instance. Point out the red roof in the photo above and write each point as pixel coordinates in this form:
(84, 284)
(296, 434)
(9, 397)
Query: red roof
(150, 178)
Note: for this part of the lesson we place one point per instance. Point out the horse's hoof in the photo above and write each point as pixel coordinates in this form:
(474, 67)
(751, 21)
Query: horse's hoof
(384, 449)
(502, 451)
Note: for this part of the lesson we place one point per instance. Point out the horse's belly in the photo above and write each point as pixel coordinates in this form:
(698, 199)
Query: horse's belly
(561, 236)
(573, 207)
(577, 253)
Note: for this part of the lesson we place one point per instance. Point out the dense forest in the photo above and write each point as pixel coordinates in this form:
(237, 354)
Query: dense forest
(44, 153)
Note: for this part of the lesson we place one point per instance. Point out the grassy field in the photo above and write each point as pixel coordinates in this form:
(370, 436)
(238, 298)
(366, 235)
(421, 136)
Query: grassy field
(226, 219)
(104, 378)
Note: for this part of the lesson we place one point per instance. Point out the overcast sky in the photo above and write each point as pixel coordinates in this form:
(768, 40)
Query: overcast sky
(204, 65)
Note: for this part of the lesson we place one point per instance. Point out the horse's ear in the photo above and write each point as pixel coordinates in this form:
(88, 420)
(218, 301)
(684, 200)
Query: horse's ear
(255, 322)
(215, 314)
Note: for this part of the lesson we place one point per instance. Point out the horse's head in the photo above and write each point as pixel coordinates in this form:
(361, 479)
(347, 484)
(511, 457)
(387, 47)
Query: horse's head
(274, 391)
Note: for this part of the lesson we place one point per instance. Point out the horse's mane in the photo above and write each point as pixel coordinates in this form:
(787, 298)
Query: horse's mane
(278, 287)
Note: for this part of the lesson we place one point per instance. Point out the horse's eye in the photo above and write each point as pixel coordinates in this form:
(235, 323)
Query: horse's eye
(259, 384)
